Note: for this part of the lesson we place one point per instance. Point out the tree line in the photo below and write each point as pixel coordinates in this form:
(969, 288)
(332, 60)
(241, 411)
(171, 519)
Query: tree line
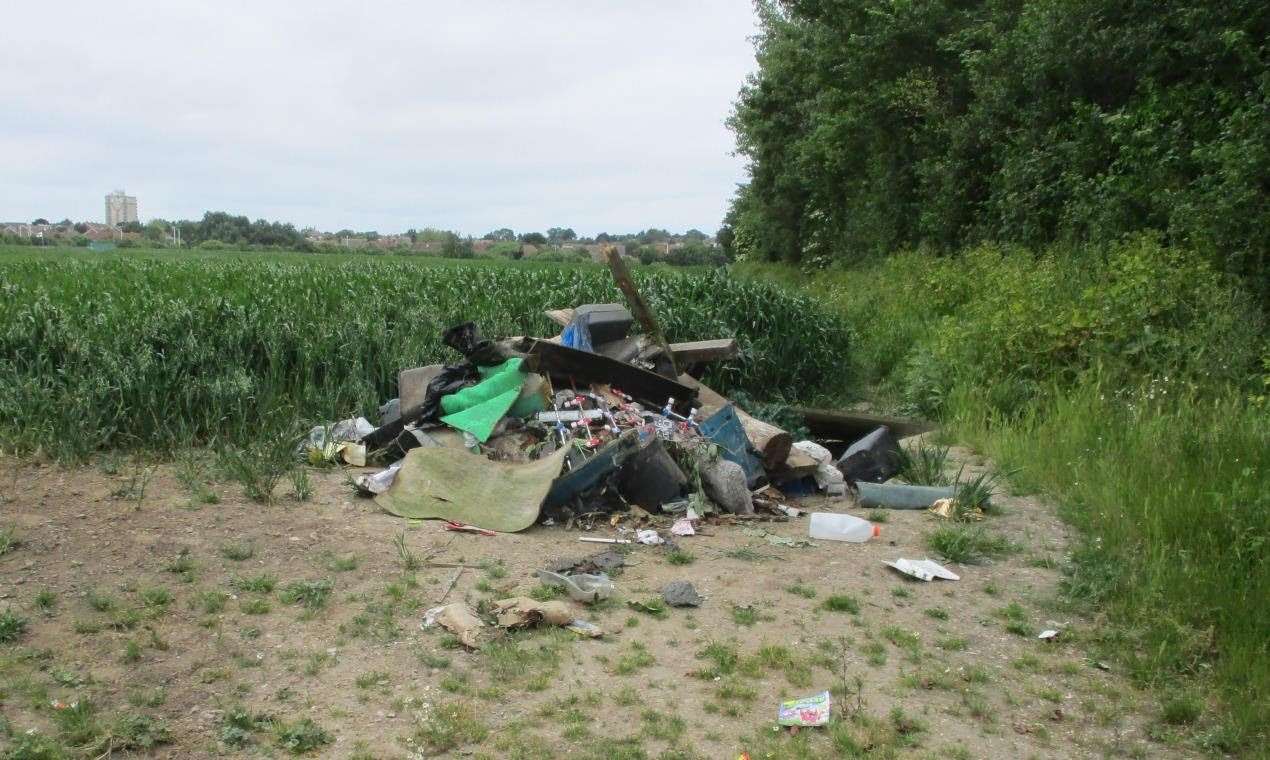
(877, 125)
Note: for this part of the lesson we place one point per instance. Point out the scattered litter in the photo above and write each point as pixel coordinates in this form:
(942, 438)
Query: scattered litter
(947, 509)
(378, 482)
(831, 526)
(654, 607)
(923, 569)
(598, 540)
(1047, 634)
(458, 619)
(808, 711)
(523, 612)
(585, 628)
(649, 538)
(462, 528)
(582, 587)
(681, 594)
(778, 540)
(683, 527)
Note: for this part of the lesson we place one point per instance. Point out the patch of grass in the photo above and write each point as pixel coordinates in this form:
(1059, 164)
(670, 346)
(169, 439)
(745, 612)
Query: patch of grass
(450, 725)
(924, 464)
(724, 657)
(661, 726)
(879, 515)
(101, 602)
(238, 551)
(311, 594)
(258, 584)
(182, 565)
(974, 496)
(874, 653)
(745, 615)
(343, 563)
(745, 554)
(46, 601)
(899, 592)
(680, 557)
(936, 612)
(12, 626)
(409, 562)
(131, 652)
(842, 603)
(156, 598)
(210, 601)
(301, 484)
(254, 606)
(969, 545)
(546, 593)
(9, 540)
(901, 638)
(372, 679)
(301, 736)
(635, 659)
(798, 589)
(1181, 709)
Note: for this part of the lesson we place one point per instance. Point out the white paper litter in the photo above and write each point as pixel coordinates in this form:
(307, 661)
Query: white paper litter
(683, 527)
(649, 537)
(1048, 633)
(923, 569)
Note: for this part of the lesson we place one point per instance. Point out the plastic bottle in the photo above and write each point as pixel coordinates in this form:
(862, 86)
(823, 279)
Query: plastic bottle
(829, 526)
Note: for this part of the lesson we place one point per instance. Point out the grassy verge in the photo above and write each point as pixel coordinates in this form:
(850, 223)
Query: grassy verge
(1128, 386)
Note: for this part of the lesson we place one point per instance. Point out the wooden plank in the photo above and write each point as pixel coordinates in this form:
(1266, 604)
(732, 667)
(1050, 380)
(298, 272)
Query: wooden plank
(851, 426)
(561, 317)
(698, 351)
(639, 307)
(568, 366)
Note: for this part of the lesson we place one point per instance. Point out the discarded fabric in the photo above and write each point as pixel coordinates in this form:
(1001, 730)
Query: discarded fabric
(458, 619)
(828, 478)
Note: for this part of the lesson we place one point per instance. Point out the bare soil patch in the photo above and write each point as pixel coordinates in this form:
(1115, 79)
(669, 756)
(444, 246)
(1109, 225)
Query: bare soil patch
(231, 623)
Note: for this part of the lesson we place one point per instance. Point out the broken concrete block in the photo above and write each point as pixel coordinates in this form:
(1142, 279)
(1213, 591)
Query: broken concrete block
(681, 594)
(724, 483)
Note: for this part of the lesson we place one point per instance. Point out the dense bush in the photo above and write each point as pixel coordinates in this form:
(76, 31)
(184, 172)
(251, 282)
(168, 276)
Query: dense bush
(1130, 383)
(873, 126)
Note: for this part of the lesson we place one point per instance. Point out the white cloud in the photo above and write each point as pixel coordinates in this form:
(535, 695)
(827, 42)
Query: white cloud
(379, 115)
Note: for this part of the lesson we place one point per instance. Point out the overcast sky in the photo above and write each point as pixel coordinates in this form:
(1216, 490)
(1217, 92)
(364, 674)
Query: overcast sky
(375, 115)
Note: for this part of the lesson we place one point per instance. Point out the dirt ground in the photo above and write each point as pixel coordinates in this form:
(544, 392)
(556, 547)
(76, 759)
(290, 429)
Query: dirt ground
(145, 604)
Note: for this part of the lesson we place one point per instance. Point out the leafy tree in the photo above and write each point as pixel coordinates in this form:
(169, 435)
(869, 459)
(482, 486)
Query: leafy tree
(872, 126)
(561, 235)
(534, 238)
(40, 220)
(502, 233)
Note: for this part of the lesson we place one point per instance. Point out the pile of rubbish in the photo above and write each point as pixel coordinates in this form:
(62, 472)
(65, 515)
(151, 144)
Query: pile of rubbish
(571, 429)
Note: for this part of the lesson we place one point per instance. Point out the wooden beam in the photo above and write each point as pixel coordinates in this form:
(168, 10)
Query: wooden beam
(698, 351)
(561, 317)
(639, 307)
(851, 426)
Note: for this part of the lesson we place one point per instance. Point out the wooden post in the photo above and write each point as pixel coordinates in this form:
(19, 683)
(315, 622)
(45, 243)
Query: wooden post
(639, 307)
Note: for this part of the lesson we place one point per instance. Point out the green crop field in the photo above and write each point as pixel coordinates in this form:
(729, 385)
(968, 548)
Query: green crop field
(157, 350)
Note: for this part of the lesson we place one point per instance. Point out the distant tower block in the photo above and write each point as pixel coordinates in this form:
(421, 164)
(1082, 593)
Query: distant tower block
(120, 208)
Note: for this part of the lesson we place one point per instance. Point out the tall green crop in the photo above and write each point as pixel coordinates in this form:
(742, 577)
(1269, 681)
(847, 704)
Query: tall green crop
(153, 353)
